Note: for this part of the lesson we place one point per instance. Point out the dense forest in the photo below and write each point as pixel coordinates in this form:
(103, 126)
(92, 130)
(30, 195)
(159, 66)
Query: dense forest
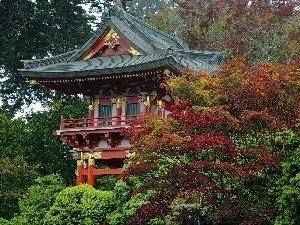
(229, 153)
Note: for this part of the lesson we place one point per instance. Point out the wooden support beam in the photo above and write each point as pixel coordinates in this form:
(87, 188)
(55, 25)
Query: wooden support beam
(96, 172)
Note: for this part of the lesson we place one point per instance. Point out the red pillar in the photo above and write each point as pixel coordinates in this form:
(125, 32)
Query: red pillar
(91, 115)
(119, 114)
(160, 106)
(91, 167)
(147, 105)
(79, 172)
(147, 110)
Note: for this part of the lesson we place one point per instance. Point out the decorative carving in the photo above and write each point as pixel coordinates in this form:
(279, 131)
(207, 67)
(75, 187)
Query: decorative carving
(97, 155)
(91, 107)
(91, 158)
(91, 162)
(88, 55)
(134, 51)
(169, 51)
(111, 43)
(118, 101)
(111, 34)
(146, 99)
(160, 104)
(88, 158)
(33, 82)
(80, 162)
(166, 72)
(93, 103)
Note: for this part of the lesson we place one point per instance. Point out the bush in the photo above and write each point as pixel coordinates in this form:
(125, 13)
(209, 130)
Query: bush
(82, 205)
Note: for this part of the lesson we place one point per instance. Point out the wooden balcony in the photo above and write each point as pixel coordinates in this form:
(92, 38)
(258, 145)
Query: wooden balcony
(89, 132)
(96, 123)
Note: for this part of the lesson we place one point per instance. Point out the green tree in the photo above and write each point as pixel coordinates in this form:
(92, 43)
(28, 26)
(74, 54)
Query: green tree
(37, 201)
(12, 132)
(36, 29)
(127, 202)
(167, 20)
(42, 147)
(16, 175)
(80, 205)
(287, 186)
(288, 202)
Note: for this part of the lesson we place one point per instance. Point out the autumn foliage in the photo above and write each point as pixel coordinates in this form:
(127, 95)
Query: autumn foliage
(218, 141)
(258, 30)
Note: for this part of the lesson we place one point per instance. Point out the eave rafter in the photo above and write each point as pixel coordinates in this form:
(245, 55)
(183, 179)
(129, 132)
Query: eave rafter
(92, 85)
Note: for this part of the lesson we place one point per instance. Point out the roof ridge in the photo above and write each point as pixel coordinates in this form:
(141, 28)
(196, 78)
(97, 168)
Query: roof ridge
(174, 38)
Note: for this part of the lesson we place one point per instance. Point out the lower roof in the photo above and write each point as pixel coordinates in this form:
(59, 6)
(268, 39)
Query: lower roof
(117, 64)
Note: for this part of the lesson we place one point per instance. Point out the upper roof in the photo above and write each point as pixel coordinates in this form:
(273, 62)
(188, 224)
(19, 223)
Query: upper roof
(122, 44)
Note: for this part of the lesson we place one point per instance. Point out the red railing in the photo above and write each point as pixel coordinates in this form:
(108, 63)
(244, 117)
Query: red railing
(114, 121)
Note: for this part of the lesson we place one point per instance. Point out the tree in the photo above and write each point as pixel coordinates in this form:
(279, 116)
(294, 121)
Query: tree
(11, 131)
(257, 30)
(286, 189)
(192, 165)
(80, 205)
(167, 20)
(43, 148)
(144, 8)
(217, 154)
(16, 175)
(126, 202)
(35, 29)
(37, 201)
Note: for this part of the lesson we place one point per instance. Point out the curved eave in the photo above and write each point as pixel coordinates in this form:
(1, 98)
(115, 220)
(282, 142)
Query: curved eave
(34, 63)
(98, 67)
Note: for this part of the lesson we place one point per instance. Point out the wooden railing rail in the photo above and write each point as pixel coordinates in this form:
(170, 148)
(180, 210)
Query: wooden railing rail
(114, 121)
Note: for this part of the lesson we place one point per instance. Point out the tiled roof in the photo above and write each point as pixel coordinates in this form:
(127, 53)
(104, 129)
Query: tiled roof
(104, 65)
(153, 44)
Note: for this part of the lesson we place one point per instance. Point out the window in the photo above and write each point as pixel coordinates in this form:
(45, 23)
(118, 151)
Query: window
(132, 109)
(105, 114)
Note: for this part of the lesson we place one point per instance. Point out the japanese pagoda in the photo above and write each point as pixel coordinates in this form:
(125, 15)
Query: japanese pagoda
(118, 72)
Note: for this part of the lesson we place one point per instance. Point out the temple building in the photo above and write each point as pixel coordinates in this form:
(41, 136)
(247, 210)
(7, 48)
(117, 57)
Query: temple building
(118, 71)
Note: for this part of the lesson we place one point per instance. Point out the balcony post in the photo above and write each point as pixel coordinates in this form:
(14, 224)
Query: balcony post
(118, 101)
(91, 115)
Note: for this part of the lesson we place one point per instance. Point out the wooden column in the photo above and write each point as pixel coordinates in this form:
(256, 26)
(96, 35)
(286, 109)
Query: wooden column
(79, 172)
(91, 115)
(119, 115)
(118, 101)
(160, 106)
(147, 105)
(91, 167)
